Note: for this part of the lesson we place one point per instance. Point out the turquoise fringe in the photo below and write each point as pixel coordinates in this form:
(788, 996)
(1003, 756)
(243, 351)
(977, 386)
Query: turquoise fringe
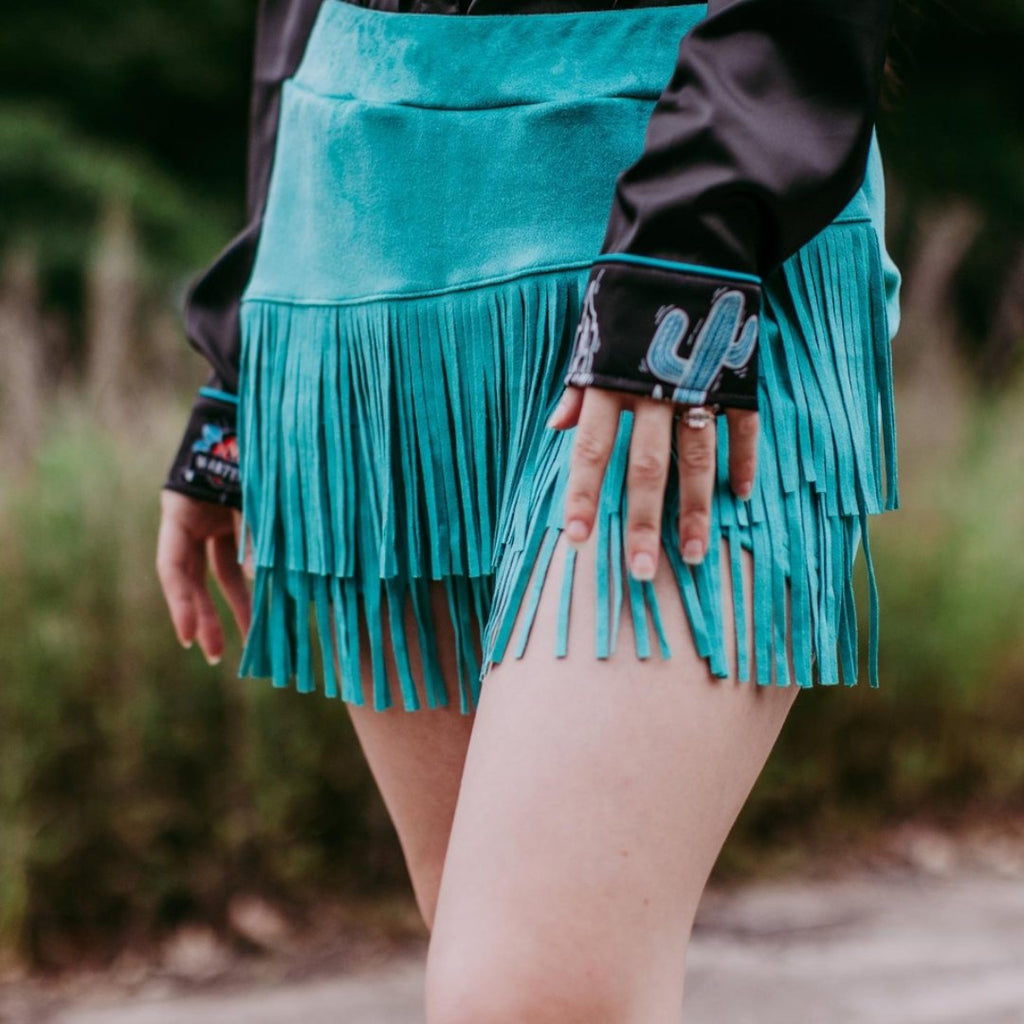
(827, 460)
(384, 445)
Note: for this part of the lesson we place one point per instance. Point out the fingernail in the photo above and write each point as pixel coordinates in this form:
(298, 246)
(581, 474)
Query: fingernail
(642, 566)
(576, 531)
(743, 492)
(693, 552)
(187, 644)
(213, 659)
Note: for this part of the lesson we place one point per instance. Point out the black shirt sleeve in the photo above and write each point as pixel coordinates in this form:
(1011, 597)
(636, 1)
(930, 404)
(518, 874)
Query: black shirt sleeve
(757, 143)
(206, 464)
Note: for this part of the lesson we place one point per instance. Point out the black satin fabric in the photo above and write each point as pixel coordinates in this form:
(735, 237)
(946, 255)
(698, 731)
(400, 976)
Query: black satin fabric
(760, 138)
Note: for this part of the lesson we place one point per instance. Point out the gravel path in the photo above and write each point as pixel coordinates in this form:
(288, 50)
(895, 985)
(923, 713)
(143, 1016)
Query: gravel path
(901, 948)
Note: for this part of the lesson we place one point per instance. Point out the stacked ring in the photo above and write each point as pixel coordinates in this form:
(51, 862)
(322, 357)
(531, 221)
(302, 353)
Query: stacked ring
(696, 416)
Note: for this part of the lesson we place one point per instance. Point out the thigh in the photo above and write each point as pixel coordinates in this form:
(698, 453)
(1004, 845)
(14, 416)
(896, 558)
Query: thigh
(417, 757)
(596, 797)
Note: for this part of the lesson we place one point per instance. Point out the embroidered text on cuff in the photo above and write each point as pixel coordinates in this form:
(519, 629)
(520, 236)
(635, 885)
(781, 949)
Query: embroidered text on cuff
(206, 465)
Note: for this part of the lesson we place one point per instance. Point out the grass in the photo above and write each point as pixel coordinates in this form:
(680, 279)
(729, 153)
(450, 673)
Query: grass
(140, 788)
(943, 735)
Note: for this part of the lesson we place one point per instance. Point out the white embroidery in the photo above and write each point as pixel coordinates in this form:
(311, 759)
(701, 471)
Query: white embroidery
(588, 335)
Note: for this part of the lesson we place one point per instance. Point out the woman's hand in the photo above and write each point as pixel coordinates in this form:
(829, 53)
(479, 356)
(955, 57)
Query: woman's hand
(595, 413)
(194, 534)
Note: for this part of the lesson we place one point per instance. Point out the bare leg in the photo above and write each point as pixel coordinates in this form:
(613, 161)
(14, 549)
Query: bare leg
(595, 800)
(416, 758)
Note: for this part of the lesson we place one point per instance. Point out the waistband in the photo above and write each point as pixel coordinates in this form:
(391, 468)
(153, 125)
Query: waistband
(476, 7)
(492, 60)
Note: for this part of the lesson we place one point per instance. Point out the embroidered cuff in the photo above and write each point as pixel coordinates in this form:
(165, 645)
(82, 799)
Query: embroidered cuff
(206, 466)
(669, 330)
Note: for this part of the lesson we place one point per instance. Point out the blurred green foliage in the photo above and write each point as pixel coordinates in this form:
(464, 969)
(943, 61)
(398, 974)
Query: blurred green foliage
(140, 788)
(954, 129)
(942, 738)
(149, 102)
(953, 135)
(165, 80)
(143, 104)
(58, 199)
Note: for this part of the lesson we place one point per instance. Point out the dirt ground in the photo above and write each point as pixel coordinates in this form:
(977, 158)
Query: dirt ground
(934, 937)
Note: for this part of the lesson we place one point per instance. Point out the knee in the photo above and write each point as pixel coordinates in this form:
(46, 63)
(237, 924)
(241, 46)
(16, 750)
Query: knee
(501, 987)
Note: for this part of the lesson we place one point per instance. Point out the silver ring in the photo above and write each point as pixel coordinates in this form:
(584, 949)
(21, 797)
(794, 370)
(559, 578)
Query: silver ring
(696, 416)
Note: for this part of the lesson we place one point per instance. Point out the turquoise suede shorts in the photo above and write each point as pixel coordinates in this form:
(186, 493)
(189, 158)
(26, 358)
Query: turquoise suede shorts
(440, 187)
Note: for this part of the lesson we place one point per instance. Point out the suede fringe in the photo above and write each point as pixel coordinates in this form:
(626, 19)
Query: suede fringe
(384, 446)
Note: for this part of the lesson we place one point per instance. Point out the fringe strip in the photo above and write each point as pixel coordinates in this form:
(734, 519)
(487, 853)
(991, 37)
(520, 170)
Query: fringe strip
(827, 461)
(383, 446)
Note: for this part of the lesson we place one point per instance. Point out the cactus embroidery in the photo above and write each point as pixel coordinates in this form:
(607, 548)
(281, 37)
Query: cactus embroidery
(724, 341)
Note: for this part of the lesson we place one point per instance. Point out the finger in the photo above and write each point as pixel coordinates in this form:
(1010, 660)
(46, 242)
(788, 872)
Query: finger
(591, 448)
(744, 426)
(223, 552)
(696, 487)
(209, 633)
(175, 553)
(650, 447)
(567, 412)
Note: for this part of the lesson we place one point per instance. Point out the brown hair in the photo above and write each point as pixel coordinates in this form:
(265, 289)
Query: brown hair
(908, 17)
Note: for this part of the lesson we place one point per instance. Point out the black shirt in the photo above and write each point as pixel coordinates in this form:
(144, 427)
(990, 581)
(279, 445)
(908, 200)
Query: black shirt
(756, 144)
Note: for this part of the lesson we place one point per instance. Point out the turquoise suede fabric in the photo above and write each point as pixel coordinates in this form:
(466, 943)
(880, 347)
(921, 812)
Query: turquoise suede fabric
(357, 209)
(440, 189)
(357, 206)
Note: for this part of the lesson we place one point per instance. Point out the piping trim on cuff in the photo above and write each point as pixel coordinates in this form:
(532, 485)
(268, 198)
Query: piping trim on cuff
(689, 268)
(221, 396)
(685, 337)
(722, 399)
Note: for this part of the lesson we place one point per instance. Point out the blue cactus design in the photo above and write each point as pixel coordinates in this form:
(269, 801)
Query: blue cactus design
(724, 340)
